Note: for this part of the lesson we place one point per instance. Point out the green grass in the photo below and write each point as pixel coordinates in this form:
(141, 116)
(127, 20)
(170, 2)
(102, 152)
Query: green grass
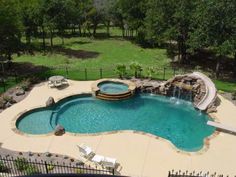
(111, 52)
(225, 86)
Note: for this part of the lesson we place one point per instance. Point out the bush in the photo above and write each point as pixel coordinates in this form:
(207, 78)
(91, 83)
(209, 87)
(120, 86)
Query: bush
(7, 98)
(21, 164)
(79, 171)
(2, 103)
(136, 68)
(31, 170)
(3, 168)
(121, 70)
(25, 85)
(50, 167)
(234, 95)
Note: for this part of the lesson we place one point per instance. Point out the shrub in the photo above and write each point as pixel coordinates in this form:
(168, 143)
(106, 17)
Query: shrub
(21, 164)
(50, 167)
(150, 72)
(2, 102)
(31, 170)
(136, 68)
(79, 171)
(25, 85)
(121, 70)
(3, 168)
(7, 98)
(234, 95)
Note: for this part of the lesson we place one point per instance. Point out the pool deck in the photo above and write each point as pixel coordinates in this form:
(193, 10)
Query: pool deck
(140, 155)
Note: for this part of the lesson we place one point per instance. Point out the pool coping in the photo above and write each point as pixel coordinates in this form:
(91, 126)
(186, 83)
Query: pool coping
(206, 140)
(131, 85)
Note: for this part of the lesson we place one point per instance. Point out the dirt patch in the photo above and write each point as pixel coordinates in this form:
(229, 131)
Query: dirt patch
(80, 54)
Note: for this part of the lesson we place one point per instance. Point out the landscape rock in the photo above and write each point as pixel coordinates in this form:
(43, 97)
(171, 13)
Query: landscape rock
(50, 102)
(59, 130)
(20, 92)
(212, 109)
(8, 104)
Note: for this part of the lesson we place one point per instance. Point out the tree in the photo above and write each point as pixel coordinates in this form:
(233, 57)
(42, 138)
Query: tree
(10, 28)
(215, 22)
(28, 10)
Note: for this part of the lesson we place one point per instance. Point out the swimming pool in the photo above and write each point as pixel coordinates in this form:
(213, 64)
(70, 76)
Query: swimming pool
(112, 87)
(179, 123)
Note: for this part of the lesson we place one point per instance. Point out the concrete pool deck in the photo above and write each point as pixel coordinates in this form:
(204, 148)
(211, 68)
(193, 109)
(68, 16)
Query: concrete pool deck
(138, 154)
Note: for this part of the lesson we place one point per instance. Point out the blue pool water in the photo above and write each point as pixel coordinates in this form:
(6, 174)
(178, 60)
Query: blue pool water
(180, 123)
(112, 87)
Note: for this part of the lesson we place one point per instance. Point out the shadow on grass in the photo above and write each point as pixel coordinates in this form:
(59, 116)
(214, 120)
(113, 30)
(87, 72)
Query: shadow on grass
(71, 53)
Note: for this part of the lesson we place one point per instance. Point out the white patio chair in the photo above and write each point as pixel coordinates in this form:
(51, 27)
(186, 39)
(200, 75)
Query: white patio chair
(98, 159)
(109, 162)
(85, 150)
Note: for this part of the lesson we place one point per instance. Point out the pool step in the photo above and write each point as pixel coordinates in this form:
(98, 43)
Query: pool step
(114, 97)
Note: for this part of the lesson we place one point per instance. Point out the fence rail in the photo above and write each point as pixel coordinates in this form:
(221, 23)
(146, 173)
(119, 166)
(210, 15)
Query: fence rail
(9, 79)
(10, 166)
(194, 174)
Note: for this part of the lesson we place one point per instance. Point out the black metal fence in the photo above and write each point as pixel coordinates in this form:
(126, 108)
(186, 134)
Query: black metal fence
(11, 78)
(10, 166)
(194, 174)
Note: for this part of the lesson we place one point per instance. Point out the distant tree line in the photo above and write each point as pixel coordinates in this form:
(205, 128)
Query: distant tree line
(190, 25)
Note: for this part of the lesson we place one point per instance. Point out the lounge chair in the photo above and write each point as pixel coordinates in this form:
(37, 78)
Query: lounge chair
(109, 162)
(104, 161)
(85, 150)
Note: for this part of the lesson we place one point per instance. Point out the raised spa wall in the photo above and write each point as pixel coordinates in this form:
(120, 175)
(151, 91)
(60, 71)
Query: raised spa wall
(113, 97)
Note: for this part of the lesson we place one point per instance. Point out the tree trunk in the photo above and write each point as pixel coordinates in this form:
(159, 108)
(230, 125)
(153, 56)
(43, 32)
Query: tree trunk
(94, 29)
(79, 30)
(235, 65)
(218, 67)
(51, 38)
(108, 28)
(44, 43)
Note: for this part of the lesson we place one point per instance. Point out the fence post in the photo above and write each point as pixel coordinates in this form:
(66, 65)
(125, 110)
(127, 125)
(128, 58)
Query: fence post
(15, 77)
(67, 72)
(46, 166)
(85, 73)
(164, 73)
(4, 85)
(100, 73)
(113, 171)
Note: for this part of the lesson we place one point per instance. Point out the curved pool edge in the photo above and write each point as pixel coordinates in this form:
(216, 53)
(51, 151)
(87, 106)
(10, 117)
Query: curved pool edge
(19, 115)
(206, 140)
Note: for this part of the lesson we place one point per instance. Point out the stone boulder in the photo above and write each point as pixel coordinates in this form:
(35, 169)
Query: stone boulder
(59, 130)
(50, 102)
(20, 92)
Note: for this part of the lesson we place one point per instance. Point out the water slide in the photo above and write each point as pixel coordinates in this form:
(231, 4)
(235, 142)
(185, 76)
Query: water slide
(211, 91)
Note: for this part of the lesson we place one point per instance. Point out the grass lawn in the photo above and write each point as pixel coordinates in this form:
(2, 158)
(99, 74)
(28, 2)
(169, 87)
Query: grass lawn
(80, 53)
